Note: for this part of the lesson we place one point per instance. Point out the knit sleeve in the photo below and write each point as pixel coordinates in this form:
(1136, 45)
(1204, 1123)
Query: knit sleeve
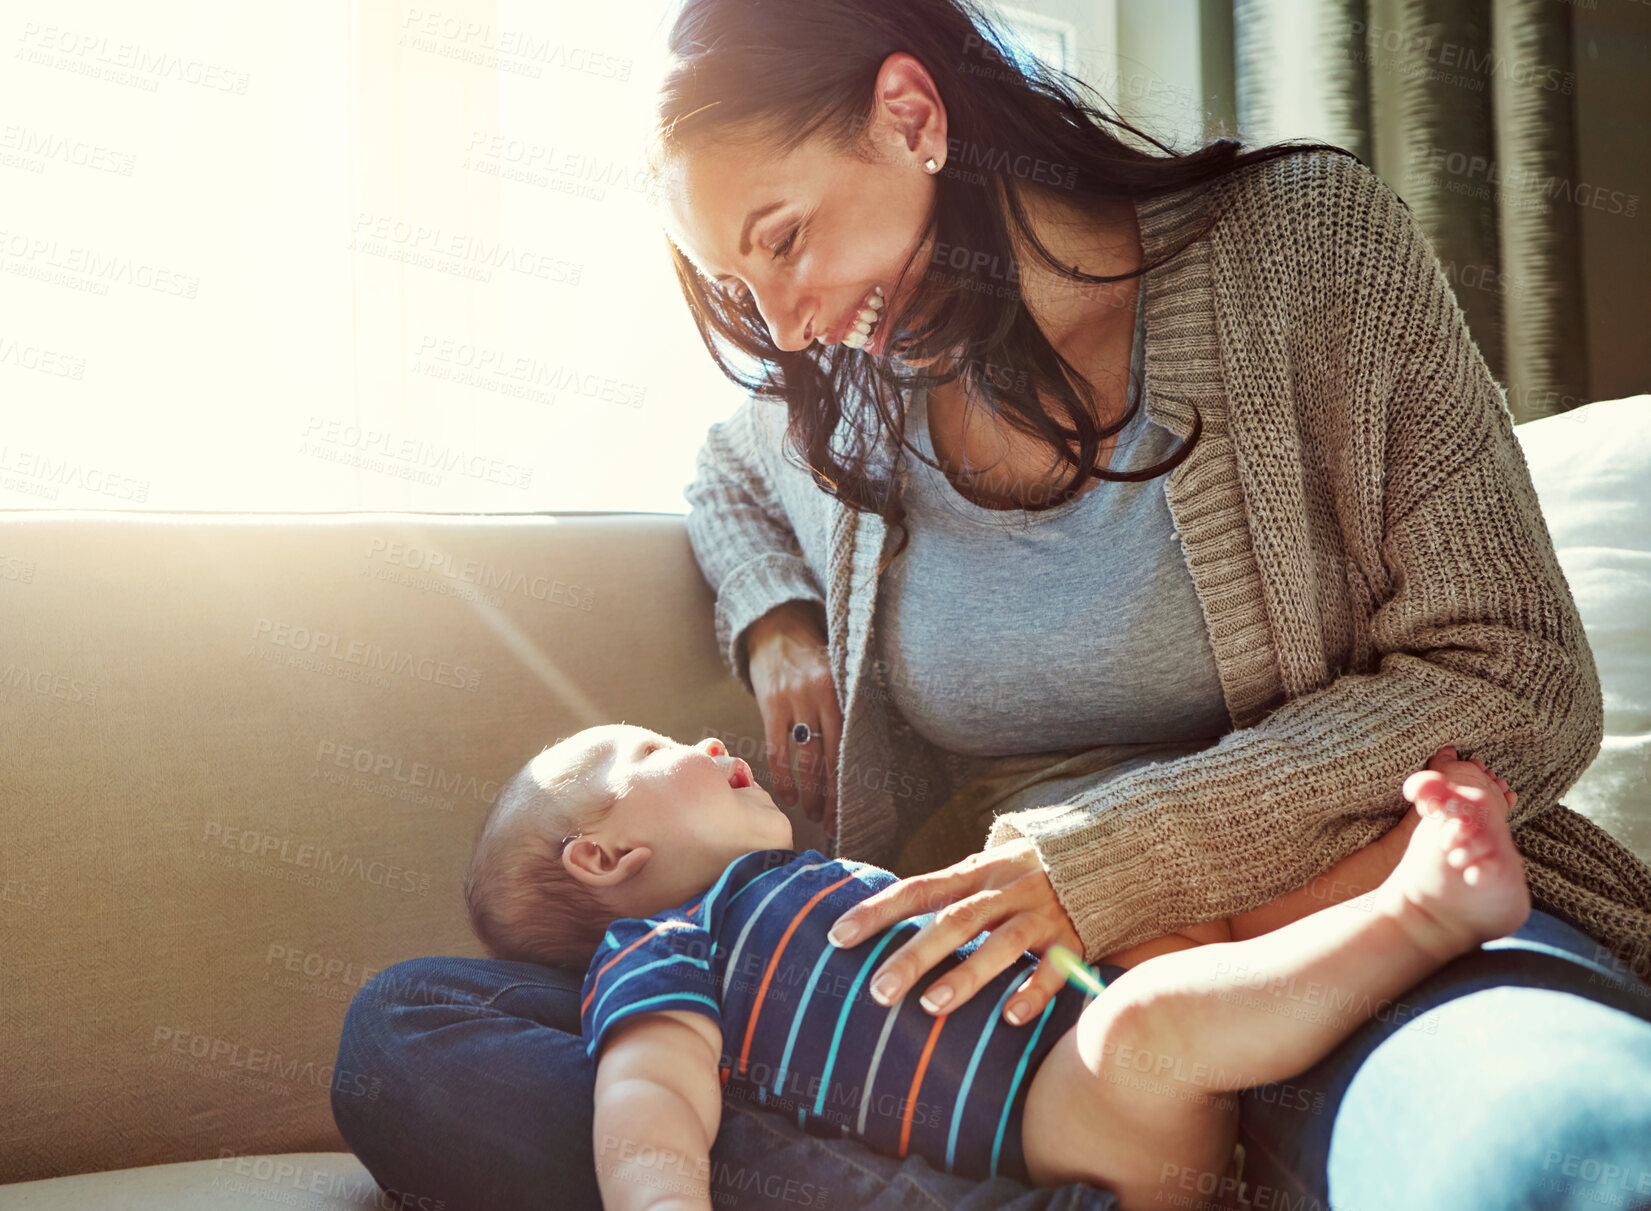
(1477, 642)
(741, 535)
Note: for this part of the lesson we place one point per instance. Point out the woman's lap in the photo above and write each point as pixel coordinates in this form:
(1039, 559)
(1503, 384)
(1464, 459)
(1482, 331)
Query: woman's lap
(486, 1103)
(1516, 1076)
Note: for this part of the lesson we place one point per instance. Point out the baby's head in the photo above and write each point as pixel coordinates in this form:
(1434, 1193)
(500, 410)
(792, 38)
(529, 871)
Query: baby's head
(614, 821)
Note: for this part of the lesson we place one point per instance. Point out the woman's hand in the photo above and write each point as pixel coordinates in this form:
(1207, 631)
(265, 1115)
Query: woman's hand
(791, 677)
(1005, 890)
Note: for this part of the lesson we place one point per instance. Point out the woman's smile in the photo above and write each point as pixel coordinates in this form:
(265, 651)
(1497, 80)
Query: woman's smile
(856, 328)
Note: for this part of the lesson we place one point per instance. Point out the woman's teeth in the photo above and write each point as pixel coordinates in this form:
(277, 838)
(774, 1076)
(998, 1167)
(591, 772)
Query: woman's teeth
(865, 320)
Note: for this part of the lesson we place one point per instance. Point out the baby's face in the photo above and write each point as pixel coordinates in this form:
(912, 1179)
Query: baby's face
(695, 806)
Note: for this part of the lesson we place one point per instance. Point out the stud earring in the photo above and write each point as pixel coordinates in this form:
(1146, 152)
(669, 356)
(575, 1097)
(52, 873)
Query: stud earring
(929, 165)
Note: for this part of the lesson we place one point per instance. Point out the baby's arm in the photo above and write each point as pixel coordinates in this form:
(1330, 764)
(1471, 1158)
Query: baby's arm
(658, 1107)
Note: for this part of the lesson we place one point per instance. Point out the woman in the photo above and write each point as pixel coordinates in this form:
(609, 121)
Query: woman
(924, 252)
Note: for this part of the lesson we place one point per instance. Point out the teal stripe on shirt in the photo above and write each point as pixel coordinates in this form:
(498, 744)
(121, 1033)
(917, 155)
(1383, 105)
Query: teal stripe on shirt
(1020, 1072)
(969, 1073)
(641, 1006)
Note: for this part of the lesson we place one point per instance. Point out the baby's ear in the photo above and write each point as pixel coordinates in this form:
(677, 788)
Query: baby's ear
(601, 864)
(632, 863)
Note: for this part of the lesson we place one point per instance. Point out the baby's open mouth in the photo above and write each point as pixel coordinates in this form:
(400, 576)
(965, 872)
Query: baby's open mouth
(741, 777)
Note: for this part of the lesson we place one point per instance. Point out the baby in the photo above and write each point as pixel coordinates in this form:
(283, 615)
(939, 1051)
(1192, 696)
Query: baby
(667, 872)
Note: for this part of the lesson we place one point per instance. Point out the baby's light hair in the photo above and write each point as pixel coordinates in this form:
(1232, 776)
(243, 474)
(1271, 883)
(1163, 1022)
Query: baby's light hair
(522, 902)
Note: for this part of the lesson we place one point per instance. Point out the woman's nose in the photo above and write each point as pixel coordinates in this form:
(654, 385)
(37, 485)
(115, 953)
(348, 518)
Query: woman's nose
(781, 312)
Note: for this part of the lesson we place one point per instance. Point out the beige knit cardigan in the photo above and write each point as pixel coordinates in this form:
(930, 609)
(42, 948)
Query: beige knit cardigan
(1368, 552)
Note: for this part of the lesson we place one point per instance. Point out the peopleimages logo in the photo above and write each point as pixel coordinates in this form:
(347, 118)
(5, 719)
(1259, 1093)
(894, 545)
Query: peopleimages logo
(337, 1187)
(309, 856)
(370, 656)
(482, 573)
(479, 365)
(98, 266)
(46, 475)
(249, 1058)
(412, 773)
(1480, 175)
(47, 684)
(504, 49)
(14, 568)
(39, 146)
(85, 52)
(414, 452)
(422, 244)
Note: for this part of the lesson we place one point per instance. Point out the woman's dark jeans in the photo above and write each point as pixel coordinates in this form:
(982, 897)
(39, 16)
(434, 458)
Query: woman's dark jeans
(1518, 1076)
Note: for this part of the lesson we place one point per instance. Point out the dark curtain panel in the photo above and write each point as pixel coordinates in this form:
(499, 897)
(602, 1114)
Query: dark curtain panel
(1465, 108)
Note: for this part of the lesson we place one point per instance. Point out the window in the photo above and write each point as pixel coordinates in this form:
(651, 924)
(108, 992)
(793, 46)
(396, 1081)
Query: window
(362, 257)
(383, 257)
(1035, 36)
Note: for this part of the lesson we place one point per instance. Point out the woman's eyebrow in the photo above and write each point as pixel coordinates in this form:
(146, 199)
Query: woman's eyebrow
(745, 232)
(751, 219)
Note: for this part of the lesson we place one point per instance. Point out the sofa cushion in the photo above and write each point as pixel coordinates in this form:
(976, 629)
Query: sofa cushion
(1591, 468)
(242, 761)
(316, 1181)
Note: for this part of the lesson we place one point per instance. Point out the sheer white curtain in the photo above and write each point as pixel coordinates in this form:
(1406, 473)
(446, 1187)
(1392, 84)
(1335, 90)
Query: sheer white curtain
(371, 256)
(378, 255)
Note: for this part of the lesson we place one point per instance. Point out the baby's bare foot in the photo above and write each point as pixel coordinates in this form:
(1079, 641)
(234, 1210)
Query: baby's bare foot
(1449, 753)
(1461, 880)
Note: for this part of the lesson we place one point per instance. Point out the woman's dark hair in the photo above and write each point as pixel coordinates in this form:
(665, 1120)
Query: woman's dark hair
(786, 70)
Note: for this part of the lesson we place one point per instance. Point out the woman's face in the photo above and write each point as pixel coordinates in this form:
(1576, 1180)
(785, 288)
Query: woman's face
(809, 235)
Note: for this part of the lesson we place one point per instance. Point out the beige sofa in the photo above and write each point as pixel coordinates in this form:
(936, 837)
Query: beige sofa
(242, 759)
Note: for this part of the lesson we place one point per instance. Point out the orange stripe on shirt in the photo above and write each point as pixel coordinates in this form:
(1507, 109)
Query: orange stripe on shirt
(785, 938)
(917, 1082)
(654, 932)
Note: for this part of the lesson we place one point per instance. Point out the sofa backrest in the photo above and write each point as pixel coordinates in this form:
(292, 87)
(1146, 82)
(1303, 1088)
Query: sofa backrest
(242, 762)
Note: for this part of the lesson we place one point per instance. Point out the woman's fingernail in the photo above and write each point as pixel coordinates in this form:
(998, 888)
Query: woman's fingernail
(936, 999)
(843, 935)
(884, 988)
(1017, 1013)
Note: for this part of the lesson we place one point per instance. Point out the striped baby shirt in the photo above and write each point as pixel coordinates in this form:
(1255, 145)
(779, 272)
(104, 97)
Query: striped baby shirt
(801, 1035)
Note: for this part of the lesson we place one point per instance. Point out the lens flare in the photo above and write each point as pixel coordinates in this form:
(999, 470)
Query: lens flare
(1076, 970)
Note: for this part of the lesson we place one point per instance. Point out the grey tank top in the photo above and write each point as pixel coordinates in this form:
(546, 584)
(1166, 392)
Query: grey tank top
(1007, 632)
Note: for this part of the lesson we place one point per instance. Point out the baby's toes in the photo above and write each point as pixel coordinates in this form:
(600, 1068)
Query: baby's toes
(1484, 868)
(1459, 829)
(1465, 799)
(1428, 790)
(1470, 852)
(1443, 757)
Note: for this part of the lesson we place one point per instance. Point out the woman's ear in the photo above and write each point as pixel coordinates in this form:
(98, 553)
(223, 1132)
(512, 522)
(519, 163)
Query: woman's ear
(597, 862)
(906, 92)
